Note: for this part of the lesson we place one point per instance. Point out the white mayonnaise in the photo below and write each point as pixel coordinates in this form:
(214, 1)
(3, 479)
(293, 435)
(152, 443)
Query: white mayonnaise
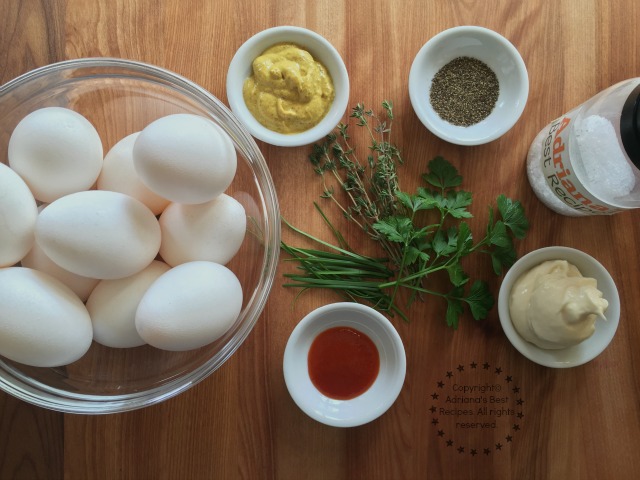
(553, 306)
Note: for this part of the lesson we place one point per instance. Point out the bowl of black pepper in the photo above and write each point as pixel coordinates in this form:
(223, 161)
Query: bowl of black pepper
(468, 85)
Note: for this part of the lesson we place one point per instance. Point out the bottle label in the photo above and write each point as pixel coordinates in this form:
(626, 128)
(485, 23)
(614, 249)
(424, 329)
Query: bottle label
(558, 171)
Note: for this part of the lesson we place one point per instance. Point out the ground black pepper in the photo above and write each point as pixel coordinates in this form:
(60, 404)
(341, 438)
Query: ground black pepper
(464, 91)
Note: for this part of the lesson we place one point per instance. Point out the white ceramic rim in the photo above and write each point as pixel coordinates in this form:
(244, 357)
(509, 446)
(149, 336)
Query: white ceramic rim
(372, 403)
(467, 136)
(578, 354)
(321, 49)
(51, 398)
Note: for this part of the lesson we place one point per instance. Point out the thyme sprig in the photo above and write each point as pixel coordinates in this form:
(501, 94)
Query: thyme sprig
(421, 233)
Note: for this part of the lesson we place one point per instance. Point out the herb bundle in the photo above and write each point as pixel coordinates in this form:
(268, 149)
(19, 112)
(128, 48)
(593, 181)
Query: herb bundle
(421, 233)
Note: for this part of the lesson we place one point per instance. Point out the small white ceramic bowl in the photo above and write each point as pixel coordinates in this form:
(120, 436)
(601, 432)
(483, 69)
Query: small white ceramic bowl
(240, 69)
(372, 403)
(499, 55)
(605, 330)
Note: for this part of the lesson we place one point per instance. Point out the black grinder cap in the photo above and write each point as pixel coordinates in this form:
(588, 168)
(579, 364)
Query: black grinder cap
(630, 126)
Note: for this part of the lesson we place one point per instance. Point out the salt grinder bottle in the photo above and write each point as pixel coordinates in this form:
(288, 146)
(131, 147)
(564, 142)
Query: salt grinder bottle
(587, 162)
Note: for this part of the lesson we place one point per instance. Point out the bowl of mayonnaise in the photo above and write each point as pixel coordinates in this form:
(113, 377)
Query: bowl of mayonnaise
(559, 307)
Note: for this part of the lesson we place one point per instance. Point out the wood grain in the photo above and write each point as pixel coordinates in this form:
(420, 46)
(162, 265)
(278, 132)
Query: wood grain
(581, 423)
(32, 441)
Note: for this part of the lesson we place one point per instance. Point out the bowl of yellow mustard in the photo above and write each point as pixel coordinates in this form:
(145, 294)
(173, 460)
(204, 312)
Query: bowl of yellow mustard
(288, 85)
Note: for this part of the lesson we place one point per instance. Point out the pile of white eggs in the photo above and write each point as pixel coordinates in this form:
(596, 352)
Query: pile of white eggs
(126, 250)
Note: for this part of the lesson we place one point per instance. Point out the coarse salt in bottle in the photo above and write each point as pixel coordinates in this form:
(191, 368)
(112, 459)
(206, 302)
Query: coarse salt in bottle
(587, 161)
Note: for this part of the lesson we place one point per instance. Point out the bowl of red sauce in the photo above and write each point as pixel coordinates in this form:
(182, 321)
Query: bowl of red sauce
(344, 364)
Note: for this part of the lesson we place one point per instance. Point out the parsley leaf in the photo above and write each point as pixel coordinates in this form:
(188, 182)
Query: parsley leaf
(454, 310)
(465, 239)
(479, 300)
(498, 236)
(395, 229)
(457, 276)
(413, 254)
(405, 199)
(429, 196)
(442, 174)
(445, 243)
(512, 214)
(502, 258)
(415, 203)
(456, 203)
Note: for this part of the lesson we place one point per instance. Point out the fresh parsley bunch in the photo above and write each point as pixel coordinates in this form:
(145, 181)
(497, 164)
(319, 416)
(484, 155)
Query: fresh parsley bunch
(421, 233)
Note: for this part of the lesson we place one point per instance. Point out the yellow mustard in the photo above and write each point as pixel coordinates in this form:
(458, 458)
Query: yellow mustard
(289, 91)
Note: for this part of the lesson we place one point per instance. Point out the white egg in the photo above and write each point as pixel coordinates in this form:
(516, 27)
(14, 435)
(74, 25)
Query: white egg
(210, 231)
(189, 306)
(38, 260)
(56, 151)
(119, 175)
(113, 304)
(18, 213)
(99, 234)
(185, 158)
(42, 322)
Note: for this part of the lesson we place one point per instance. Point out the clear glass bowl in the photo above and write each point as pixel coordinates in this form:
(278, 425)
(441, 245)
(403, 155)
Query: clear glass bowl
(121, 97)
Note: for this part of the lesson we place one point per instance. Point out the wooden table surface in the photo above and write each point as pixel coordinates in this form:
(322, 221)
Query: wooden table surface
(579, 423)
